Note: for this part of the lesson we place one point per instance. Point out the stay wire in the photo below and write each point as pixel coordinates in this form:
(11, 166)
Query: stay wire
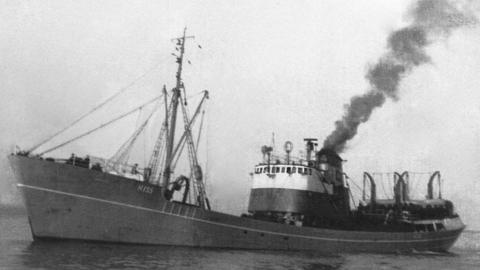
(99, 127)
(120, 91)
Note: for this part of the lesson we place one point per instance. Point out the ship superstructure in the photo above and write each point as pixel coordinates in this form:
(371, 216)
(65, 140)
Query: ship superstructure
(303, 191)
(314, 192)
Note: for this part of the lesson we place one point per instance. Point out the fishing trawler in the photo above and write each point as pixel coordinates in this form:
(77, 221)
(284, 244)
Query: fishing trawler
(295, 203)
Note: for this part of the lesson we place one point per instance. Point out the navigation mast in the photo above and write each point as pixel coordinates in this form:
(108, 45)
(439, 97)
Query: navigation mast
(175, 99)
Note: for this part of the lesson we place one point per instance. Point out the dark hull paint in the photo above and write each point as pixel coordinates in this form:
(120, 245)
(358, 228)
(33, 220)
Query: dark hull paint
(69, 202)
(295, 201)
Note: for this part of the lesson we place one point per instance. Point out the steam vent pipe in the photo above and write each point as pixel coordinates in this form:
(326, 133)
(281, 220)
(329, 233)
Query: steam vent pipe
(430, 185)
(373, 187)
(401, 189)
(405, 190)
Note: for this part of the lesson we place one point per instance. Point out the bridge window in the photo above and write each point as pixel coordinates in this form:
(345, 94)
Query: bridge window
(294, 169)
(277, 170)
(283, 169)
(289, 169)
(439, 226)
(424, 228)
(300, 170)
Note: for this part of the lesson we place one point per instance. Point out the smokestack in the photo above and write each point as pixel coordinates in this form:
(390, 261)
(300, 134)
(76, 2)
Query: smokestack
(405, 51)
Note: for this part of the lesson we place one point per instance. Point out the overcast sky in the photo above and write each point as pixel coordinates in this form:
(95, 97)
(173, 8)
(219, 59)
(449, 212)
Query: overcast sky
(286, 67)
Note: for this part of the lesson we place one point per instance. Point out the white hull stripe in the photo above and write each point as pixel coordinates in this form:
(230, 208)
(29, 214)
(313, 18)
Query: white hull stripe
(234, 226)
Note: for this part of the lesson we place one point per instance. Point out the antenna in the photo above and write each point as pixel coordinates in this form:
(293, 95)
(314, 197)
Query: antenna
(273, 140)
(288, 147)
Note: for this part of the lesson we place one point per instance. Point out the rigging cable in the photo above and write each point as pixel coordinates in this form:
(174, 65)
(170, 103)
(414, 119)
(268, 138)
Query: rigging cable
(417, 182)
(178, 156)
(121, 90)
(144, 148)
(351, 195)
(191, 122)
(192, 155)
(123, 148)
(182, 141)
(99, 127)
(123, 152)
(383, 188)
(181, 144)
(200, 131)
(391, 184)
(158, 149)
(355, 185)
(206, 156)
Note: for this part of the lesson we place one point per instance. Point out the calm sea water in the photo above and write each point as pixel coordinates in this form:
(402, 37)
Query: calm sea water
(17, 251)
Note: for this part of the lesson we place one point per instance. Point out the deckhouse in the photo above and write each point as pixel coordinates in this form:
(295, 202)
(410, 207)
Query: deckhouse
(301, 190)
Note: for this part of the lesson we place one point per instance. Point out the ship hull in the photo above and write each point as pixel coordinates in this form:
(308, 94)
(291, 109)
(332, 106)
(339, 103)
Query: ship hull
(68, 202)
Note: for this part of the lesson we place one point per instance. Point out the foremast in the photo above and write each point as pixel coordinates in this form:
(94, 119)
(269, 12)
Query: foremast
(171, 121)
(173, 118)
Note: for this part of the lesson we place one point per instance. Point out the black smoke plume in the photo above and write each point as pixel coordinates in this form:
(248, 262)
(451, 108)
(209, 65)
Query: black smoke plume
(430, 19)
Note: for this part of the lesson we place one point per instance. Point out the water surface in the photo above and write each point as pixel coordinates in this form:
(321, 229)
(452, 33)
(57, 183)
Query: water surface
(18, 251)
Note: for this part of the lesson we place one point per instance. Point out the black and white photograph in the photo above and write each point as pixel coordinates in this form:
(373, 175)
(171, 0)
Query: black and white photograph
(240, 134)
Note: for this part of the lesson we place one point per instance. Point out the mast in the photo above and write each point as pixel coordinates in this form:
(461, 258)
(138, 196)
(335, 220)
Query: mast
(173, 118)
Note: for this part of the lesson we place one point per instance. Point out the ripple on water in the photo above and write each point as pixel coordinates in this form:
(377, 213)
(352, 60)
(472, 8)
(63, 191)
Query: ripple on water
(18, 252)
